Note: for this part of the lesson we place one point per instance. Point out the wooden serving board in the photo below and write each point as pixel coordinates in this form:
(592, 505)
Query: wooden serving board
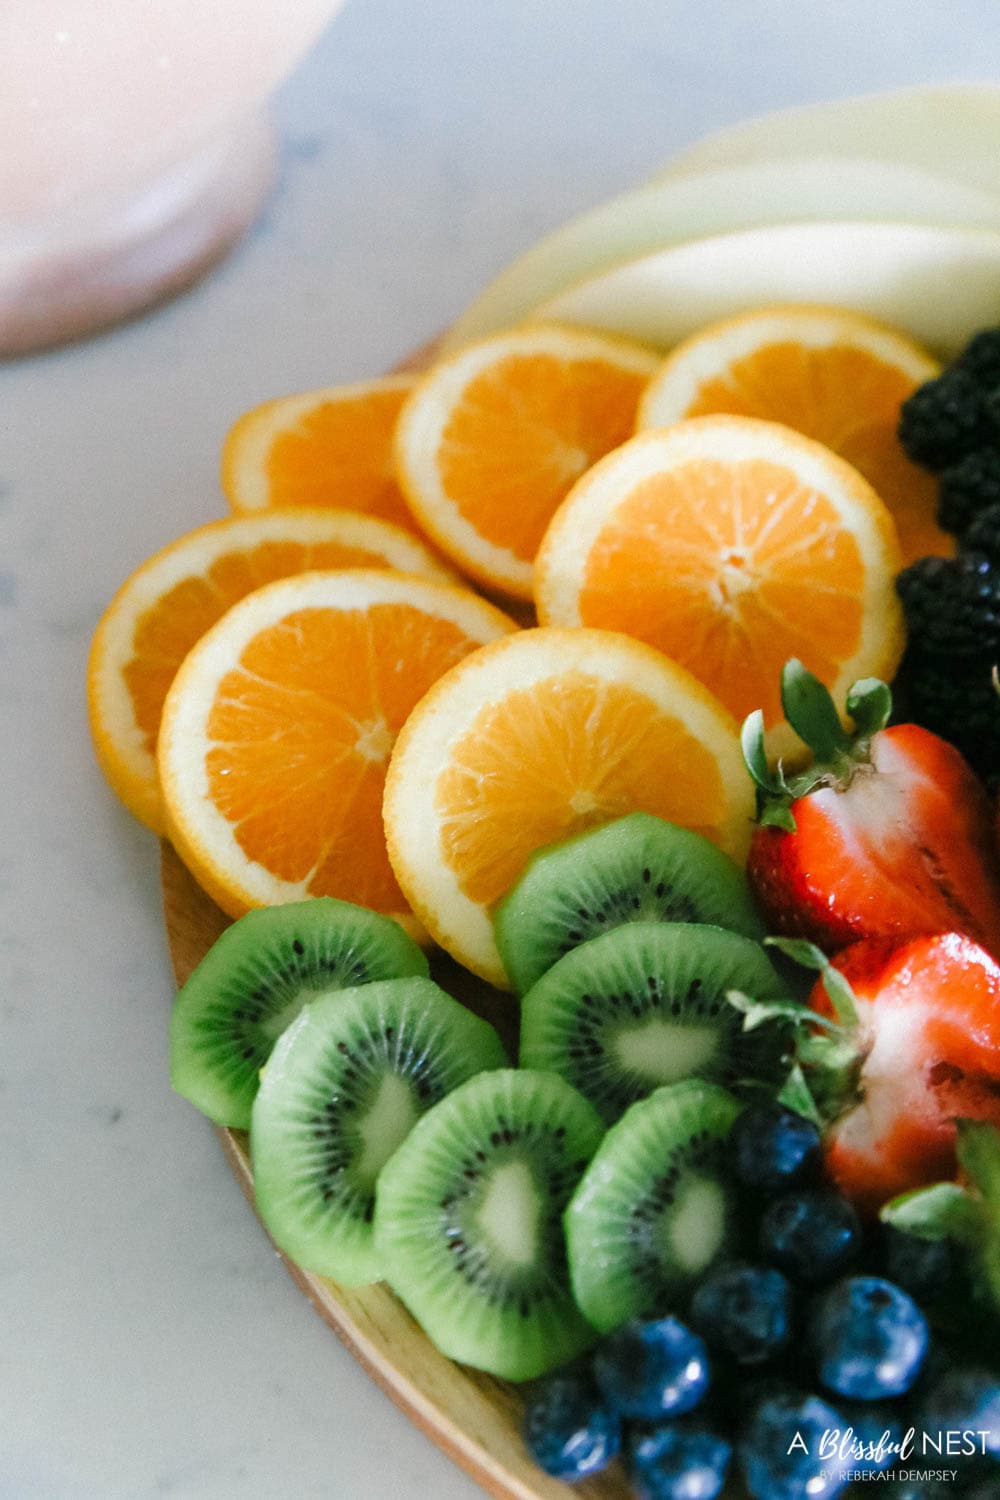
(473, 1417)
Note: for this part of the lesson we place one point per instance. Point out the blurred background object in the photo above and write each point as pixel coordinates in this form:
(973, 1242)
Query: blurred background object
(136, 149)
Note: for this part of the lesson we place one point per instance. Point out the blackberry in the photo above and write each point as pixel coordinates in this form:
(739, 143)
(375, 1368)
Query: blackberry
(945, 419)
(968, 488)
(981, 358)
(983, 535)
(952, 607)
(956, 700)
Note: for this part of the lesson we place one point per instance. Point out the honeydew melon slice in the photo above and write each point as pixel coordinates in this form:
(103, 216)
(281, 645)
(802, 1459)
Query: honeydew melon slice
(951, 129)
(938, 285)
(729, 198)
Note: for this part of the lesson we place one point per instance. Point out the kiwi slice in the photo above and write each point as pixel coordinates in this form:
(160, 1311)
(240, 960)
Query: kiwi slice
(343, 1087)
(655, 1207)
(637, 869)
(468, 1221)
(645, 1005)
(256, 978)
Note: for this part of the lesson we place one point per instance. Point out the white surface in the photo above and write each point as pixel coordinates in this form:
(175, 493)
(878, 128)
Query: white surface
(151, 1343)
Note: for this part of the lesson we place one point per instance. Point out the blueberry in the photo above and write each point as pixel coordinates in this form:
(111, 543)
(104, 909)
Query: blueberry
(965, 1400)
(652, 1370)
(924, 1268)
(928, 1489)
(774, 1149)
(680, 1461)
(879, 1427)
(744, 1310)
(782, 1449)
(569, 1430)
(870, 1338)
(812, 1236)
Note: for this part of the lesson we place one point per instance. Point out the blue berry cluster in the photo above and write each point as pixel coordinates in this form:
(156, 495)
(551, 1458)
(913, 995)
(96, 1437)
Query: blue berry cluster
(790, 1365)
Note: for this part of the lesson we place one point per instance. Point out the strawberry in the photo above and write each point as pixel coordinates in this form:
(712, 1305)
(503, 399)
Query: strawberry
(886, 834)
(967, 1211)
(908, 1042)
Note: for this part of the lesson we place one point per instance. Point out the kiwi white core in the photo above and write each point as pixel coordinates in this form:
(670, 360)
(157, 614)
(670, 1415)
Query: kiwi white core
(508, 1214)
(386, 1124)
(272, 1026)
(664, 1053)
(696, 1228)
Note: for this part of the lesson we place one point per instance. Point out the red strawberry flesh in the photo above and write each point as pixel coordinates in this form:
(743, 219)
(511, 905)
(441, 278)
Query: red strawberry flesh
(902, 846)
(929, 1031)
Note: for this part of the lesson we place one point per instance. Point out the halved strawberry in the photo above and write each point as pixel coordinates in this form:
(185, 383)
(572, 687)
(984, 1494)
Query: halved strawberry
(886, 834)
(918, 1049)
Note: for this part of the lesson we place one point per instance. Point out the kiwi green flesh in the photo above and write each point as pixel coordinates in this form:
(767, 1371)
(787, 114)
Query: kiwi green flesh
(636, 869)
(645, 1005)
(344, 1086)
(468, 1221)
(255, 980)
(655, 1207)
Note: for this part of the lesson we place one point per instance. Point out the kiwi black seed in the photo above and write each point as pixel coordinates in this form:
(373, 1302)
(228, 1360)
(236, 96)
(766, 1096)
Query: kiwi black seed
(345, 1084)
(655, 1207)
(636, 869)
(468, 1221)
(255, 980)
(645, 1005)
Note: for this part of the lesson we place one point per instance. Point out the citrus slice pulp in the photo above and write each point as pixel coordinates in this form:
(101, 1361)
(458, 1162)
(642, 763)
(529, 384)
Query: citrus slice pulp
(169, 602)
(532, 739)
(277, 730)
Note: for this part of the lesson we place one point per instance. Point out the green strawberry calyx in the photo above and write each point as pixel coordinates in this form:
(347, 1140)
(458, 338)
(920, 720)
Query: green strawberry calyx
(838, 755)
(968, 1212)
(827, 1052)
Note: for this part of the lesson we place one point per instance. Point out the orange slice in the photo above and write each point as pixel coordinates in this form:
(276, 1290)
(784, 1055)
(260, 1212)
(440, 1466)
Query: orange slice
(169, 602)
(278, 727)
(330, 447)
(731, 545)
(534, 738)
(835, 376)
(492, 439)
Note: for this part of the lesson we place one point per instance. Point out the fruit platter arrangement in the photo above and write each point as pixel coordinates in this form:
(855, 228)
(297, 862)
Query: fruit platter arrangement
(576, 760)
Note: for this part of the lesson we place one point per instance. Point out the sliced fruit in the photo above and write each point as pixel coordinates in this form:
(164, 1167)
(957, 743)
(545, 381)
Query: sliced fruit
(534, 739)
(636, 869)
(949, 129)
(831, 375)
(492, 438)
(682, 207)
(938, 285)
(645, 1005)
(468, 1221)
(730, 544)
(344, 1086)
(168, 603)
(253, 982)
(278, 727)
(884, 834)
(329, 447)
(917, 1049)
(655, 1207)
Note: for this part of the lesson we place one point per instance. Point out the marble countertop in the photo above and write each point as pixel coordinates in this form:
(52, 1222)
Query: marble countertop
(152, 1344)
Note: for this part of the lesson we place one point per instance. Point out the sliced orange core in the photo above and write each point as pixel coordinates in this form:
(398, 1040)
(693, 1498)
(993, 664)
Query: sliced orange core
(523, 433)
(300, 735)
(848, 400)
(165, 633)
(730, 570)
(552, 759)
(340, 454)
